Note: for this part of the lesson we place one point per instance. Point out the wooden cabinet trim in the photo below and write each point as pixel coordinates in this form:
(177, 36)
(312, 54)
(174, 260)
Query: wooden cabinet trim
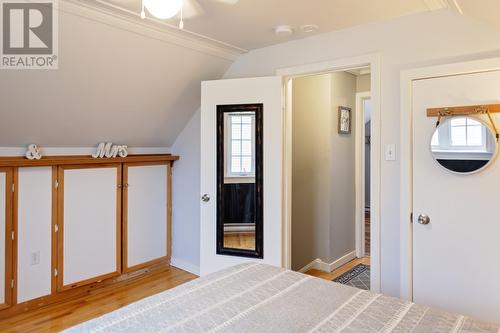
(19, 161)
(10, 251)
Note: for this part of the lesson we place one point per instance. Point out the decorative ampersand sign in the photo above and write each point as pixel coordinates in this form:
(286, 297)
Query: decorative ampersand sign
(33, 152)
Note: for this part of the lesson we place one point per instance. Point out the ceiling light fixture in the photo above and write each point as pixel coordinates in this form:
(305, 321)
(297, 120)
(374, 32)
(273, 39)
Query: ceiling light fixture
(283, 30)
(308, 28)
(162, 9)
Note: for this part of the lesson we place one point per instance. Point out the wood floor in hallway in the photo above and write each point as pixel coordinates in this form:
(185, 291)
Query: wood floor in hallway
(339, 271)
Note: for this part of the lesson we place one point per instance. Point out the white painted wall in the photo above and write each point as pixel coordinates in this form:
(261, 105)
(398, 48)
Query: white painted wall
(411, 41)
(186, 198)
(34, 233)
(408, 42)
(146, 213)
(363, 83)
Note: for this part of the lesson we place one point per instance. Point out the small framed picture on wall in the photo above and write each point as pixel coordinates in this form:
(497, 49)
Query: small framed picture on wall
(344, 120)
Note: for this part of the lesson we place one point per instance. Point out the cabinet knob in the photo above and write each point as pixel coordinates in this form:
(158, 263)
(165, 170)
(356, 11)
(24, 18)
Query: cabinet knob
(205, 198)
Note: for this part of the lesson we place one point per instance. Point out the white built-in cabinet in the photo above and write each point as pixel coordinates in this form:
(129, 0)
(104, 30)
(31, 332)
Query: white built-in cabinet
(64, 225)
(89, 224)
(145, 212)
(34, 232)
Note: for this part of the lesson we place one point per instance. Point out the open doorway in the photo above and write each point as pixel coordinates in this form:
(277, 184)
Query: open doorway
(363, 173)
(331, 176)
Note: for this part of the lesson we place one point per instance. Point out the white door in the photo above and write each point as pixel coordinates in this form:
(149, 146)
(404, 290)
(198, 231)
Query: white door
(90, 219)
(145, 218)
(455, 256)
(34, 229)
(268, 91)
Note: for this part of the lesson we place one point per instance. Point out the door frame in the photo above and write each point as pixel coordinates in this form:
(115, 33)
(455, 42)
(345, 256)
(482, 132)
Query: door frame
(288, 74)
(360, 154)
(406, 152)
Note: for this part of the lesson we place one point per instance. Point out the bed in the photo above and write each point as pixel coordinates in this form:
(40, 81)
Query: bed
(261, 298)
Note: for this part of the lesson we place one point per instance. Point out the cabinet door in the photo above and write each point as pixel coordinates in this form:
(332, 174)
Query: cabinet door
(146, 214)
(6, 183)
(89, 224)
(34, 230)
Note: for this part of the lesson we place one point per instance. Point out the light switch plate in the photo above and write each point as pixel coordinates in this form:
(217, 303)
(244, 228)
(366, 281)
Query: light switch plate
(390, 152)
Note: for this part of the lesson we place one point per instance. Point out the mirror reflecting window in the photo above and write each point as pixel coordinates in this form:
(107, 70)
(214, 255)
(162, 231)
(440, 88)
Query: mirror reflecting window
(463, 144)
(239, 177)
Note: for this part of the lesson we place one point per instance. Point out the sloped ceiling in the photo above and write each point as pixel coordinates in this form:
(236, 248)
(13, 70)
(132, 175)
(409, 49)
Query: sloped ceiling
(116, 82)
(137, 82)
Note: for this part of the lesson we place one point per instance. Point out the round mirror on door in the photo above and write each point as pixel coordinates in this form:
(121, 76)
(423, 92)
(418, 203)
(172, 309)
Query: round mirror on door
(463, 144)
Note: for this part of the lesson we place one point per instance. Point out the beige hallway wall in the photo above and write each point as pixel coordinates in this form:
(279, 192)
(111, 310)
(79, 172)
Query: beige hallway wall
(323, 169)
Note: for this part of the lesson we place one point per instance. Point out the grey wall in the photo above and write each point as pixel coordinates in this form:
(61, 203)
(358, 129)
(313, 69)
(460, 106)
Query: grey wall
(112, 85)
(312, 123)
(323, 197)
(342, 200)
(186, 198)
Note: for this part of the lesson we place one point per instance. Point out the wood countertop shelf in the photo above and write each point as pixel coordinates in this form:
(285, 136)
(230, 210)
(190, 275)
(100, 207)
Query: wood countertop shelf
(21, 161)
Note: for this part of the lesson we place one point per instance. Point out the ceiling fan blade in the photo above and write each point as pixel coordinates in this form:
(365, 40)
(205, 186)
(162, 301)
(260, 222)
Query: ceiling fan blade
(191, 8)
(228, 2)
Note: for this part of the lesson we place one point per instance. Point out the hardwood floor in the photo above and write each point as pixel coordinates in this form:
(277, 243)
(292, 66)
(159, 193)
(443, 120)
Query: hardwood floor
(367, 232)
(57, 317)
(339, 271)
(241, 240)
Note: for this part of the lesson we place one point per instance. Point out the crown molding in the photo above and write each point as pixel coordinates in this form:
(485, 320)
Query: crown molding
(124, 19)
(443, 4)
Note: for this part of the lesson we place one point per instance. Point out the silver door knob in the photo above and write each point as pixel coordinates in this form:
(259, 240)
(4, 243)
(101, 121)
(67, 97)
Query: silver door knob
(205, 198)
(424, 219)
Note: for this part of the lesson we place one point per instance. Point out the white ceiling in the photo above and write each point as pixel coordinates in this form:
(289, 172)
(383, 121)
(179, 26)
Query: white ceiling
(249, 24)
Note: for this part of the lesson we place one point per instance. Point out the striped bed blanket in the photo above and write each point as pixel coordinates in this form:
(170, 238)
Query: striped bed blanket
(262, 298)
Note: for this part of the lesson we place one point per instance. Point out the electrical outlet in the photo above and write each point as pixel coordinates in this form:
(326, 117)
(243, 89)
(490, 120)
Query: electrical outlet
(390, 152)
(35, 258)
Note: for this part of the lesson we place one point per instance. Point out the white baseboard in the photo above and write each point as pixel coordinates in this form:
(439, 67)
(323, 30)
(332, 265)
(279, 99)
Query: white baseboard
(328, 267)
(185, 266)
(312, 265)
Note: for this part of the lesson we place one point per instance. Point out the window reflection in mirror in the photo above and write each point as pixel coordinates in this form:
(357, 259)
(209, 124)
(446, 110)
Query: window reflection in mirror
(239, 167)
(463, 144)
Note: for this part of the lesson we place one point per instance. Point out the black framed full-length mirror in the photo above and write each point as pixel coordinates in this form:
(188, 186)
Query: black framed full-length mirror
(240, 180)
